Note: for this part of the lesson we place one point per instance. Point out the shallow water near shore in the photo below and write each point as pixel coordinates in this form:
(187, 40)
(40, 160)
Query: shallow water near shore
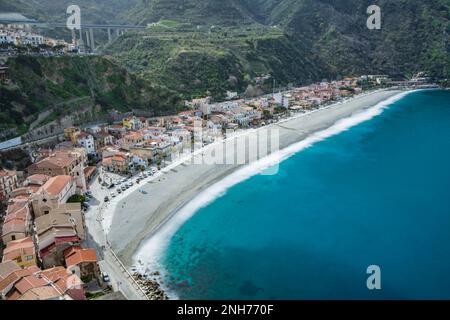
(378, 193)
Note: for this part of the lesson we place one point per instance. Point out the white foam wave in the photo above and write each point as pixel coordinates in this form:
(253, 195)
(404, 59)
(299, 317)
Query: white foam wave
(152, 249)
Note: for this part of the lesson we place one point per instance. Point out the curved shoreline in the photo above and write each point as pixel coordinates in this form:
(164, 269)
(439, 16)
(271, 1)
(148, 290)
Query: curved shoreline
(139, 218)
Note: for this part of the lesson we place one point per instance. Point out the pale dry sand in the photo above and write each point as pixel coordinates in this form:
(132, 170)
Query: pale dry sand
(138, 216)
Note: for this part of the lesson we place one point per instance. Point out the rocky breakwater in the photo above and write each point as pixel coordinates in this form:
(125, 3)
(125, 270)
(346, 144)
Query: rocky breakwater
(150, 286)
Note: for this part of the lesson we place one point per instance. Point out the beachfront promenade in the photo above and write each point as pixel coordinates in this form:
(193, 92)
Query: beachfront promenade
(120, 278)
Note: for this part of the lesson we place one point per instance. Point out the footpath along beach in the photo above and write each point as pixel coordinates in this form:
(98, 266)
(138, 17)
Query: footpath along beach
(132, 220)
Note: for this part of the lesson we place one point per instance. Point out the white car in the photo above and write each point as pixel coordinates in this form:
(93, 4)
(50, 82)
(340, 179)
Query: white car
(113, 195)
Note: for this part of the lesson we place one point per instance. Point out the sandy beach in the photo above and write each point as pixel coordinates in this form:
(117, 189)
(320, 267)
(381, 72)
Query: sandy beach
(136, 217)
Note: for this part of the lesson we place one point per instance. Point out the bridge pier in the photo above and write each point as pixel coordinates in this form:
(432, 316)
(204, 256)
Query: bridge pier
(81, 42)
(92, 41)
(87, 39)
(109, 35)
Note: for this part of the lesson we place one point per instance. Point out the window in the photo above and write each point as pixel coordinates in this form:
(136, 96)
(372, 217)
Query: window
(13, 238)
(29, 258)
(46, 212)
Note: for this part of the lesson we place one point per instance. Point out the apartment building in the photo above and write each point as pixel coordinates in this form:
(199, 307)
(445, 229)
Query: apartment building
(64, 162)
(8, 182)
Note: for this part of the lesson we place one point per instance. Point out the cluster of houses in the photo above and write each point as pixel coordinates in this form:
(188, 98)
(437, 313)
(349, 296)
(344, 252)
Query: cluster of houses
(43, 231)
(20, 37)
(253, 112)
(135, 143)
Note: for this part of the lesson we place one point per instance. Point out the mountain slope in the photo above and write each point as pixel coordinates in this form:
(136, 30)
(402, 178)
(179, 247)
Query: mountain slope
(414, 34)
(194, 63)
(54, 87)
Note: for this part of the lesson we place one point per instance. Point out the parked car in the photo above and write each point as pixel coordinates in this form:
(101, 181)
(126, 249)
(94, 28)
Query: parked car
(124, 188)
(113, 195)
(119, 191)
(106, 278)
(106, 199)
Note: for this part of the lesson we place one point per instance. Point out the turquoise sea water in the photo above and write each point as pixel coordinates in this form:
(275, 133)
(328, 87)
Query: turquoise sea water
(377, 194)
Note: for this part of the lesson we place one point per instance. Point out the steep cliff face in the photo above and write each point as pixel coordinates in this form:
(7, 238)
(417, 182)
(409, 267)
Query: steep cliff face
(45, 89)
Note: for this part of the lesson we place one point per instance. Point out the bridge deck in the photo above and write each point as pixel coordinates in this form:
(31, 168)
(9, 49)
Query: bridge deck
(83, 26)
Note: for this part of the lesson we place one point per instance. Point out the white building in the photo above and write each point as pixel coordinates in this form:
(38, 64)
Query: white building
(138, 161)
(231, 95)
(87, 142)
(20, 38)
(281, 99)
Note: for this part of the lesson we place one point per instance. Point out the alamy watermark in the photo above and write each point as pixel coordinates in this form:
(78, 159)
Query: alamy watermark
(74, 19)
(374, 20)
(374, 280)
(230, 147)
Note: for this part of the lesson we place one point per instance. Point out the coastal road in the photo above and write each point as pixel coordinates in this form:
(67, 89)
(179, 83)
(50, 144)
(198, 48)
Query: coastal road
(121, 279)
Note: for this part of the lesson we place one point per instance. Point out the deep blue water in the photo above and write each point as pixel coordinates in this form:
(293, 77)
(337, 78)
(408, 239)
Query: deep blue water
(378, 194)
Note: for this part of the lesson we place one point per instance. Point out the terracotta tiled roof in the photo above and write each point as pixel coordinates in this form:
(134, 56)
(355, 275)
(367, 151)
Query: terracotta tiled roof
(78, 255)
(133, 136)
(118, 158)
(8, 267)
(55, 273)
(18, 248)
(14, 225)
(55, 185)
(47, 284)
(7, 173)
(29, 282)
(38, 179)
(107, 161)
(40, 293)
(59, 159)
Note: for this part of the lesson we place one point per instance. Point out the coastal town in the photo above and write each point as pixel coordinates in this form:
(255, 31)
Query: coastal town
(52, 217)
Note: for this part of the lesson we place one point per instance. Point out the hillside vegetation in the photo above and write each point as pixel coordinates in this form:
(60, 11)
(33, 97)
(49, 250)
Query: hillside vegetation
(195, 62)
(60, 84)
